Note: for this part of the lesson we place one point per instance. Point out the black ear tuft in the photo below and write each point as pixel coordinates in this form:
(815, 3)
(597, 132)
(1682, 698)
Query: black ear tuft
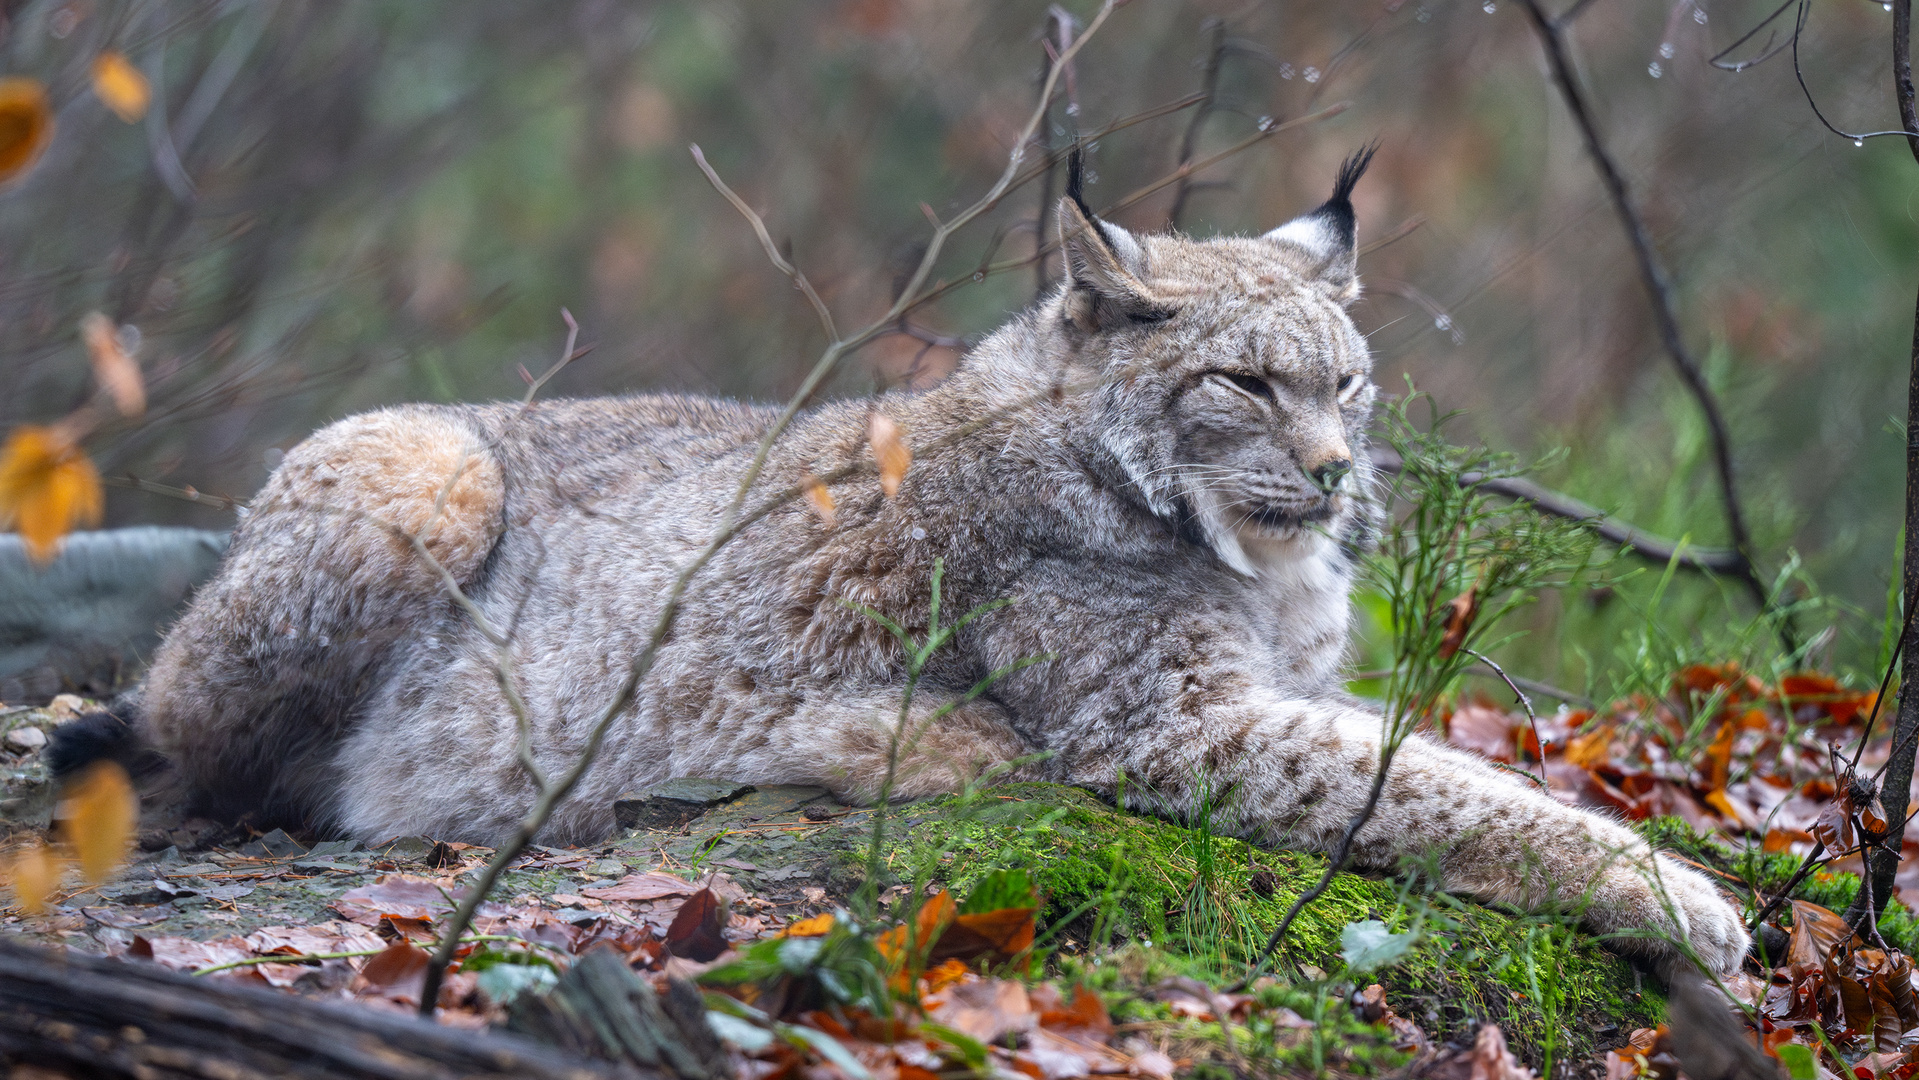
(1340, 207)
(1076, 190)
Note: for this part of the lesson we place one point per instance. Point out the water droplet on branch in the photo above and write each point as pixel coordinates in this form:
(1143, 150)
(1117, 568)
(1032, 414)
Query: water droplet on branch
(1654, 69)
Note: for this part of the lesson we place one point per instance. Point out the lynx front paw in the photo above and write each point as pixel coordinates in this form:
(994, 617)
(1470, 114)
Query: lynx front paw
(1654, 909)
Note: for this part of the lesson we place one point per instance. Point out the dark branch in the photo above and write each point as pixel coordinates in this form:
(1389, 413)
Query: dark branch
(1612, 530)
(1659, 291)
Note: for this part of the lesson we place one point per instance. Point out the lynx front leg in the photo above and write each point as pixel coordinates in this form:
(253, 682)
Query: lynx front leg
(1300, 771)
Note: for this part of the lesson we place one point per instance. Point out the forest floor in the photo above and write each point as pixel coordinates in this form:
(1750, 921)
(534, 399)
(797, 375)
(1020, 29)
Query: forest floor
(1035, 929)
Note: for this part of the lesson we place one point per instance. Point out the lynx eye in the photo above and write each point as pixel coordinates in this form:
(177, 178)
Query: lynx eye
(1250, 385)
(1348, 384)
(1149, 316)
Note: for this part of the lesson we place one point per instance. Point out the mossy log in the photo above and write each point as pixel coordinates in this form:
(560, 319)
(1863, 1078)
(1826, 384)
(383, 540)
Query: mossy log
(1212, 900)
(85, 1016)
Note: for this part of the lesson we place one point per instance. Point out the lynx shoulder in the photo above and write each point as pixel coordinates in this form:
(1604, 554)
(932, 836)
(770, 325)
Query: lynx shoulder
(1161, 464)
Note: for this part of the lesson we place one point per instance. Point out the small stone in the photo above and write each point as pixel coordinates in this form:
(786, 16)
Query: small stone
(816, 812)
(26, 740)
(674, 803)
(65, 707)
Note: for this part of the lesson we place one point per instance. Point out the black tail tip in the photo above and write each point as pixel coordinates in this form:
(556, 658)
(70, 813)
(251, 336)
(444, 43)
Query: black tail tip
(91, 737)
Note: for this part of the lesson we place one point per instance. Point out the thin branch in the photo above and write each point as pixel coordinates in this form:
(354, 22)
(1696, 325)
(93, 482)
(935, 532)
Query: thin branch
(1532, 719)
(1208, 98)
(1559, 505)
(729, 525)
(1659, 291)
(772, 250)
(185, 494)
(1767, 52)
(1798, 29)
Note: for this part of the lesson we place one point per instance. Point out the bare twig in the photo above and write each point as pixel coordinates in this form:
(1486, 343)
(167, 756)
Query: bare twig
(1560, 505)
(730, 523)
(1659, 292)
(1532, 720)
(1215, 28)
(185, 494)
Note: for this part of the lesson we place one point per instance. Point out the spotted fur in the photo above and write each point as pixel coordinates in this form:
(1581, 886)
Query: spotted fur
(1161, 463)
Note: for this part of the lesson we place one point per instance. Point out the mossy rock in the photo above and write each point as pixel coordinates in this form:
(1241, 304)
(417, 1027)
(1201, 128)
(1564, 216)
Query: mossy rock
(1212, 900)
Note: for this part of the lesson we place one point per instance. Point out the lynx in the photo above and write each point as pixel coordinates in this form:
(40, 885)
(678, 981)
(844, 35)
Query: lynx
(1161, 464)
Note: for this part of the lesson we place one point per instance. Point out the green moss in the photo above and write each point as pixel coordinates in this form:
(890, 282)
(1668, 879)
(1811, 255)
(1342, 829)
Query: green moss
(1112, 877)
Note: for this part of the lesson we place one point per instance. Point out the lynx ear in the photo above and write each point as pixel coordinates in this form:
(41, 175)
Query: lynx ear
(1105, 265)
(1324, 239)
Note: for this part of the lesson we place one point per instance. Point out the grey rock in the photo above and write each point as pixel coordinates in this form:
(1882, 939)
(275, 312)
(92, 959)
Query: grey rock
(674, 803)
(274, 845)
(26, 740)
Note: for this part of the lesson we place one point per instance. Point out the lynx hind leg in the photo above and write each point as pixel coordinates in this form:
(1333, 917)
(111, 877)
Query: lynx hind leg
(250, 690)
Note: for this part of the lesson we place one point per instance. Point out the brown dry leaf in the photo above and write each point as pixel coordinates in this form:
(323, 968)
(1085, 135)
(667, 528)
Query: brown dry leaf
(1816, 932)
(116, 371)
(889, 451)
(34, 873)
(396, 972)
(1460, 612)
(1492, 1061)
(987, 1010)
(98, 813)
(26, 125)
(1483, 728)
(698, 932)
(934, 916)
(650, 885)
(121, 86)
(47, 486)
(820, 499)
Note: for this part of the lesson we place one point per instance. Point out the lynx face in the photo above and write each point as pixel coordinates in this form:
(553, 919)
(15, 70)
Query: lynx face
(1240, 389)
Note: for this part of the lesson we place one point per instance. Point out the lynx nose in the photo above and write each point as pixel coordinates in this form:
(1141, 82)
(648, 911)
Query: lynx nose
(1328, 476)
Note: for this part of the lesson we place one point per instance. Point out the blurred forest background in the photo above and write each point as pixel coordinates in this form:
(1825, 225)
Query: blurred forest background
(332, 206)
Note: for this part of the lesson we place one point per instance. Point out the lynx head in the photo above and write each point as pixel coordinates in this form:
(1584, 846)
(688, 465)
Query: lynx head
(1234, 388)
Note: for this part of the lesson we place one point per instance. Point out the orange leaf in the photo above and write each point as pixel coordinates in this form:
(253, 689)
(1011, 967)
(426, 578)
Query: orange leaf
(121, 86)
(1591, 749)
(26, 125)
(1004, 934)
(1459, 621)
(819, 498)
(47, 486)
(1718, 763)
(817, 926)
(942, 975)
(98, 812)
(34, 873)
(889, 451)
(934, 916)
(117, 372)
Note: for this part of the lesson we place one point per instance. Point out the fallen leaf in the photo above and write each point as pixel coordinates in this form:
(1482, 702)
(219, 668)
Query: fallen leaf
(396, 972)
(116, 371)
(1002, 935)
(1460, 612)
(34, 873)
(818, 926)
(98, 812)
(1483, 728)
(987, 1010)
(26, 125)
(47, 486)
(651, 885)
(889, 451)
(1816, 934)
(121, 86)
(698, 932)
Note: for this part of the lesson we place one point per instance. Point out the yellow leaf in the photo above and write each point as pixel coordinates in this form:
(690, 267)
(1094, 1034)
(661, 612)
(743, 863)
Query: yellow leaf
(34, 873)
(119, 84)
(889, 451)
(820, 498)
(98, 812)
(47, 486)
(26, 125)
(117, 372)
(818, 926)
